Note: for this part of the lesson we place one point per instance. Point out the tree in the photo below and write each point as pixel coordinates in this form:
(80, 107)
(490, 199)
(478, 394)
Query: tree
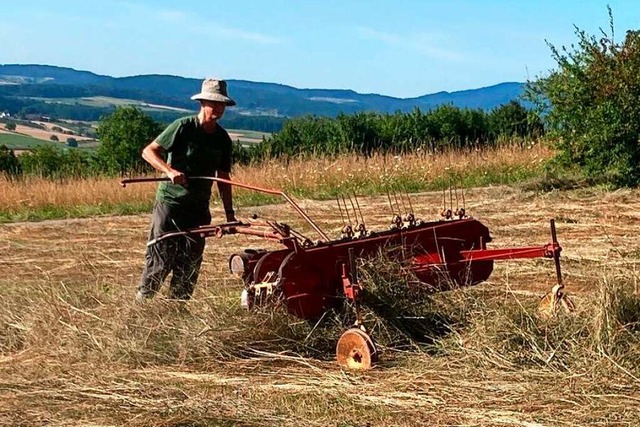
(9, 163)
(512, 119)
(53, 138)
(54, 161)
(592, 105)
(72, 142)
(123, 134)
(10, 126)
(45, 161)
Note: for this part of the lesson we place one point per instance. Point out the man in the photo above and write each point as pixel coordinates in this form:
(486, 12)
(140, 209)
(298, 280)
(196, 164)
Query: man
(190, 146)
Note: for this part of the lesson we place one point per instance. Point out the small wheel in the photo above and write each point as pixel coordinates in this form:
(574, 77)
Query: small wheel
(356, 350)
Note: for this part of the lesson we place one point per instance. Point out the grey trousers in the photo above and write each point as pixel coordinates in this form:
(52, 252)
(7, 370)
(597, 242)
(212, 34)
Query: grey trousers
(181, 255)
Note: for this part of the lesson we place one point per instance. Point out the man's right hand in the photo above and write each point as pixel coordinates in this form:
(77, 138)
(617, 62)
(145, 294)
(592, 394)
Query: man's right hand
(177, 177)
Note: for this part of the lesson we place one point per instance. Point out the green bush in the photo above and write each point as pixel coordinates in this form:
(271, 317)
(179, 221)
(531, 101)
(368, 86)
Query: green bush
(512, 119)
(50, 161)
(592, 105)
(123, 135)
(10, 126)
(9, 164)
(444, 127)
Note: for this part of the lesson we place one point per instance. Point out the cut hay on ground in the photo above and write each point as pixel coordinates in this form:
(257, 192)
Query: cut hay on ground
(76, 350)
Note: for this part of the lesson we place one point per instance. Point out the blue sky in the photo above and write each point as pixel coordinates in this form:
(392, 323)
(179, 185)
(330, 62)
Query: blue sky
(401, 48)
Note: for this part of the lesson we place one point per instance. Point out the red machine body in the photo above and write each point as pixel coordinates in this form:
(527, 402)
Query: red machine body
(443, 254)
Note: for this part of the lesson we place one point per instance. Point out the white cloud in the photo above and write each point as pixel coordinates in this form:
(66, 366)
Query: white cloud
(217, 30)
(197, 25)
(429, 45)
(172, 16)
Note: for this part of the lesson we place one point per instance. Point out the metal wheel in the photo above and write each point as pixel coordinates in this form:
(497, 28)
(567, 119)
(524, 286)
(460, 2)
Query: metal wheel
(356, 350)
(270, 262)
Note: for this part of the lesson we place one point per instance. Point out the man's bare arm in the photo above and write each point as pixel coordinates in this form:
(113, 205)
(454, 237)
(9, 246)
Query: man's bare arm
(225, 195)
(153, 154)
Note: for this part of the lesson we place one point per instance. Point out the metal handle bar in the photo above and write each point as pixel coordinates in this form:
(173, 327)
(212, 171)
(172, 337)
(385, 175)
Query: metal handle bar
(124, 183)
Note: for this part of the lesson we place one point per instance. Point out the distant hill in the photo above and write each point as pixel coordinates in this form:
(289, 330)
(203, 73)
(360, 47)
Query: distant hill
(57, 88)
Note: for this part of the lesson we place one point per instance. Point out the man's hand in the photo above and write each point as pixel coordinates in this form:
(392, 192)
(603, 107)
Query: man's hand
(177, 177)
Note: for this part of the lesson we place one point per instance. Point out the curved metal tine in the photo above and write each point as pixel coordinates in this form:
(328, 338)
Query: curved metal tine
(355, 213)
(358, 205)
(409, 200)
(390, 204)
(444, 198)
(346, 210)
(456, 192)
(404, 207)
(395, 196)
(340, 210)
(463, 200)
(450, 194)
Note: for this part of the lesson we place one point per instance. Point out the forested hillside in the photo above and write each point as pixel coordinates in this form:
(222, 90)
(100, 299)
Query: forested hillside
(67, 93)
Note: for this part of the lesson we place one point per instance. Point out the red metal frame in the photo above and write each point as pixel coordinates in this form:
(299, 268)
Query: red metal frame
(311, 277)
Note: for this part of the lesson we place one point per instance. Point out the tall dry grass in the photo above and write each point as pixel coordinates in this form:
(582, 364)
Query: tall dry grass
(420, 170)
(316, 177)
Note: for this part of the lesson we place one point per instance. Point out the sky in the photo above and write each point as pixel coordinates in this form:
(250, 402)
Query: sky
(400, 48)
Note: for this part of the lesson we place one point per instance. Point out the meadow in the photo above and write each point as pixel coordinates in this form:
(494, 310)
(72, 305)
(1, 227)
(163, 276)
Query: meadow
(15, 141)
(75, 349)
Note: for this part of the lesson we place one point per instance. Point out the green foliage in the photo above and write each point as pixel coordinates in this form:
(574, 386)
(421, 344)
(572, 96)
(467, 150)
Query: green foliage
(50, 161)
(9, 164)
(53, 138)
(10, 126)
(367, 133)
(512, 119)
(123, 135)
(72, 142)
(240, 155)
(592, 105)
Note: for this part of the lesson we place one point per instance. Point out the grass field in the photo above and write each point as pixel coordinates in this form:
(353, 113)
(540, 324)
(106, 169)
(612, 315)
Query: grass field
(22, 142)
(76, 350)
(247, 137)
(106, 101)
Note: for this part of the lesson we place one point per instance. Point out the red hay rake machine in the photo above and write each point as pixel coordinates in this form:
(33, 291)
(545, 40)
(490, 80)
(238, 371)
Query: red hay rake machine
(311, 277)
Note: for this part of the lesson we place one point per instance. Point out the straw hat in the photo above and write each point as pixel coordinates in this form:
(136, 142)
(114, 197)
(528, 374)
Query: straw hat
(214, 90)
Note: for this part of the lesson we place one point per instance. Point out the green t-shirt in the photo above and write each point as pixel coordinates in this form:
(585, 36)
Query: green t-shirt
(193, 152)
